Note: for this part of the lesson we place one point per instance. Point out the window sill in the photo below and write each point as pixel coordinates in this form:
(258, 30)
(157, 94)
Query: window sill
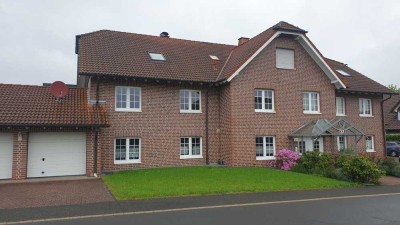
(191, 157)
(362, 115)
(190, 112)
(312, 113)
(283, 68)
(263, 111)
(341, 115)
(128, 110)
(370, 151)
(126, 162)
(265, 158)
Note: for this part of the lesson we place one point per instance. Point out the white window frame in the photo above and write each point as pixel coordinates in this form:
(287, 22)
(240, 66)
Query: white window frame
(264, 157)
(156, 56)
(398, 115)
(372, 143)
(128, 96)
(345, 142)
(190, 156)
(309, 111)
(362, 105)
(263, 101)
(340, 100)
(284, 66)
(127, 160)
(190, 110)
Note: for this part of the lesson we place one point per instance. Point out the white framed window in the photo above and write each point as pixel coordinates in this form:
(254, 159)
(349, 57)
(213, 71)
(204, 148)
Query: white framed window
(265, 148)
(264, 100)
(284, 58)
(127, 150)
(311, 103)
(156, 56)
(340, 106)
(191, 148)
(369, 142)
(365, 107)
(342, 142)
(316, 145)
(398, 115)
(128, 99)
(190, 101)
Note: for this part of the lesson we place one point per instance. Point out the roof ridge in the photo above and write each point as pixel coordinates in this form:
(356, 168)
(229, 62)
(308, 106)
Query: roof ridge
(155, 36)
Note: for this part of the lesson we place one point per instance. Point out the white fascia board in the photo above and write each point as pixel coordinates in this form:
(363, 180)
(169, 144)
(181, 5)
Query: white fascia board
(253, 56)
(308, 47)
(397, 108)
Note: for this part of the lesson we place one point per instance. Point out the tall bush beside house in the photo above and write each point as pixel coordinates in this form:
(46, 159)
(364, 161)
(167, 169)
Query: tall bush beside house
(360, 169)
(285, 159)
(392, 137)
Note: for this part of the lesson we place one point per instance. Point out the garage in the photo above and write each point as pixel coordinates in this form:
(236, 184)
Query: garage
(6, 155)
(56, 154)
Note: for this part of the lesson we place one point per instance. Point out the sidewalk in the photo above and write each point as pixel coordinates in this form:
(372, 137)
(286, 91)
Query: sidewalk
(8, 215)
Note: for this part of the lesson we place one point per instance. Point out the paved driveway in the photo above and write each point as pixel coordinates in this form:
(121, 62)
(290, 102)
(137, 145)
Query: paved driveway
(52, 193)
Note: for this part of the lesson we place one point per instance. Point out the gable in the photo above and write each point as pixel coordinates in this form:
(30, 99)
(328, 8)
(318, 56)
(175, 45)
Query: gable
(308, 46)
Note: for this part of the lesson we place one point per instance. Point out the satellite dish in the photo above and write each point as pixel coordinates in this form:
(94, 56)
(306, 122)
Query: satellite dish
(58, 89)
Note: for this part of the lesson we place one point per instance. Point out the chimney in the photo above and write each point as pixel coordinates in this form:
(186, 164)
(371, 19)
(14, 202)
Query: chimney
(164, 34)
(243, 40)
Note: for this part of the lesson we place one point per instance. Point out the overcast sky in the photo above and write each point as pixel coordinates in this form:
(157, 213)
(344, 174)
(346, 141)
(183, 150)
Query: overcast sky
(37, 38)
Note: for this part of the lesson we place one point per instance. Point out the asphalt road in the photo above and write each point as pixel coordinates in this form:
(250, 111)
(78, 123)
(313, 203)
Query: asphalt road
(363, 210)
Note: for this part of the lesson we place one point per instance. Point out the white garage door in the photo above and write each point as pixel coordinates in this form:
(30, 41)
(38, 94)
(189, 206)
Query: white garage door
(6, 155)
(56, 154)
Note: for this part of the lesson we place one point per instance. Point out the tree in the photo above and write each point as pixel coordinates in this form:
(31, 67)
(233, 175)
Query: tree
(394, 88)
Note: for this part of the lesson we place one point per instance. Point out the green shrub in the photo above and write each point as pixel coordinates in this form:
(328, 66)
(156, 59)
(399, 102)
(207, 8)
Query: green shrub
(396, 171)
(340, 160)
(360, 169)
(392, 137)
(309, 161)
(325, 166)
(388, 165)
(347, 152)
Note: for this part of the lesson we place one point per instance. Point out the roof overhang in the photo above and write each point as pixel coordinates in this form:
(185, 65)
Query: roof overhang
(311, 50)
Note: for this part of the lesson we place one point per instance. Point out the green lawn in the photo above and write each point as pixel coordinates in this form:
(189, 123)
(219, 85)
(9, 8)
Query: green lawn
(185, 181)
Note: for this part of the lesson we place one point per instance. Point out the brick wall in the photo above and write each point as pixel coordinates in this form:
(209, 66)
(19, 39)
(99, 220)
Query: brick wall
(20, 154)
(159, 125)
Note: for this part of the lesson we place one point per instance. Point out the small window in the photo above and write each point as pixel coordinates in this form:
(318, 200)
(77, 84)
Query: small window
(365, 107)
(156, 56)
(128, 99)
(311, 102)
(316, 146)
(213, 57)
(265, 148)
(190, 101)
(343, 73)
(369, 141)
(302, 147)
(127, 150)
(398, 115)
(284, 58)
(264, 100)
(342, 143)
(340, 106)
(191, 147)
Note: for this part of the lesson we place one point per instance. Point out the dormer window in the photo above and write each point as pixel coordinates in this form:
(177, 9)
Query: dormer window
(156, 56)
(343, 73)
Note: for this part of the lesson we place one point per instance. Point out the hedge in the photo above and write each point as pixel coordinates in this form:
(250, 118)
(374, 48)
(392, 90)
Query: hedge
(392, 137)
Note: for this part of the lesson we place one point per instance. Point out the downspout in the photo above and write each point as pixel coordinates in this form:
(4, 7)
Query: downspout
(207, 136)
(383, 125)
(96, 135)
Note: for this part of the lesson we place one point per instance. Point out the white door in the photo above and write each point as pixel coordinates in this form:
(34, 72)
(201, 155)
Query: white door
(308, 145)
(56, 154)
(6, 155)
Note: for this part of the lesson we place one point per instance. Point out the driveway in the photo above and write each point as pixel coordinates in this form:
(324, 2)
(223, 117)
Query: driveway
(53, 193)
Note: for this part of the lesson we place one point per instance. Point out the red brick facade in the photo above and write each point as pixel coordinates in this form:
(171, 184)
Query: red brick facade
(233, 122)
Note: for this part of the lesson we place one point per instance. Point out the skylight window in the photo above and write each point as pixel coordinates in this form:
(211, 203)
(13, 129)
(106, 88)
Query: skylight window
(343, 73)
(156, 56)
(213, 57)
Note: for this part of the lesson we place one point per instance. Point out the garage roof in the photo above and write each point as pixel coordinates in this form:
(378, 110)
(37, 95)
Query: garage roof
(28, 105)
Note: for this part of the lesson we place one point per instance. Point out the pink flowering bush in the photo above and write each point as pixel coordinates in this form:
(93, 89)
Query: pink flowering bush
(285, 159)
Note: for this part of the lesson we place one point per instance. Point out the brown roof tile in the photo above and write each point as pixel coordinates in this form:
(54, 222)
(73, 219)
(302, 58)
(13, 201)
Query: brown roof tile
(357, 82)
(28, 105)
(391, 120)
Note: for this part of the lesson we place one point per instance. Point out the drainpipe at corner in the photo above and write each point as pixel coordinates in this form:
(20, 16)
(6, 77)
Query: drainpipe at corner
(207, 133)
(383, 125)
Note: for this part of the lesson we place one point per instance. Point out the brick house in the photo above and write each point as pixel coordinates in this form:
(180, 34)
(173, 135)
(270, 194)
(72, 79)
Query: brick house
(392, 115)
(174, 102)
(155, 101)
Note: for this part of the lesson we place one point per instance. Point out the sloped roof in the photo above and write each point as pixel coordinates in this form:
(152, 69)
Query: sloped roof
(358, 82)
(28, 105)
(391, 120)
(126, 54)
